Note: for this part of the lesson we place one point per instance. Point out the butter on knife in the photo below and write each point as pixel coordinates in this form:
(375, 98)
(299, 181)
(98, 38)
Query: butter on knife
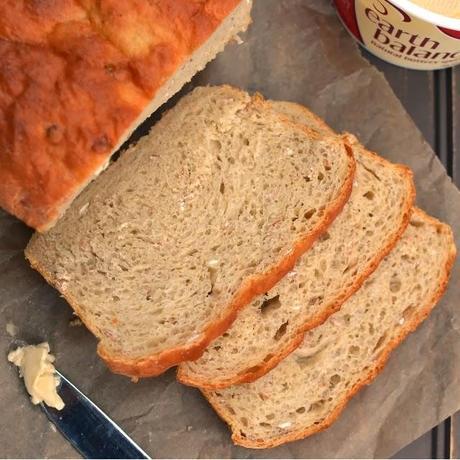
(36, 368)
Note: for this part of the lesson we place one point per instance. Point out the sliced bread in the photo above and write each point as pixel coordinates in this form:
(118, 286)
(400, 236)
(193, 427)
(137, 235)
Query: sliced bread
(209, 210)
(273, 325)
(309, 389)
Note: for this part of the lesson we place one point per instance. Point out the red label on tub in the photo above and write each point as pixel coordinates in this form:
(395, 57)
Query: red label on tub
(396, 36)
(346, 9)
(451, 33)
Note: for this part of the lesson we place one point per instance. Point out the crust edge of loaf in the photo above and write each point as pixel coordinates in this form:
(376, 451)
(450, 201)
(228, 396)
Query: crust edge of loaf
(368, 377)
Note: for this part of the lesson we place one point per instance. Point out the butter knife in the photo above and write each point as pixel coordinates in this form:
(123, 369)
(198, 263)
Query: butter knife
(90, 431)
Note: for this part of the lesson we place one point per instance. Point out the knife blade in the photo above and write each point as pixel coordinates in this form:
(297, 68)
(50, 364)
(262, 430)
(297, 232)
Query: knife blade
(90, 431)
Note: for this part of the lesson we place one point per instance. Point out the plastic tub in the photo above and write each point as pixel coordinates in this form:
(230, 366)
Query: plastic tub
(403, 32)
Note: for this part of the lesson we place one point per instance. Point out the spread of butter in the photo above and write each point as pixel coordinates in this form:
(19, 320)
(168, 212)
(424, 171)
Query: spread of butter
(36, 367)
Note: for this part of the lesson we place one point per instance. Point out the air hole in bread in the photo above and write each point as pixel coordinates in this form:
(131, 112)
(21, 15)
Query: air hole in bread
(270, 416)
(215, 146)
(268, 357)
(309, 214)
(263, 396)
(307, 179)
(416, 223)
(351, 265)
(315, 300)
(270, 305)
(395, 284)
(305, 361)
(371, 171)
(320, 176)
(281, 331)
(300, 410)
(408, 312)
(265, 424)
(379, 343)
(369, 195)
(244, 421)
(325, 236)
(316, 406)
(353, 350)
(212, 271)
(222, 188)
(334, 380)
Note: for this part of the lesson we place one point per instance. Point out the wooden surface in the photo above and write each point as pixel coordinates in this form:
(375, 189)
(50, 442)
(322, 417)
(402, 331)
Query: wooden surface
(433, 101)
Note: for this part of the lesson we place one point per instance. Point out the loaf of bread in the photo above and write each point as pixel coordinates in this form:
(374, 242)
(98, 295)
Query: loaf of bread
(309, 389)
(273, 325)
(209, 210)
(78, 76)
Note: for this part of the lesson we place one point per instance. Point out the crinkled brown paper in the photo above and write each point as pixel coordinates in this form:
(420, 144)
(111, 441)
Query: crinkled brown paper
(295, 50)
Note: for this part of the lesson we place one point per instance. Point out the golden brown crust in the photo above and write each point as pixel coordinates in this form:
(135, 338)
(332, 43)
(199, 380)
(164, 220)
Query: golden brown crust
(74, 76)
(255, 372)
(369, 375)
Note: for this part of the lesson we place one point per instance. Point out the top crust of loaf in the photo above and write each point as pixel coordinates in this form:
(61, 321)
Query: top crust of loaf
(75, 75)
(45, 252)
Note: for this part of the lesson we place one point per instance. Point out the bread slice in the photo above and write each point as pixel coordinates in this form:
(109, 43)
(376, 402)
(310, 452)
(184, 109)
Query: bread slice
(78, 77)
(309, 389)
(273, 325)
(210, 209)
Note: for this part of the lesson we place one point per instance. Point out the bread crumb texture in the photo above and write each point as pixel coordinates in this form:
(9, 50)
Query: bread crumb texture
(209, 210)
(307, 391)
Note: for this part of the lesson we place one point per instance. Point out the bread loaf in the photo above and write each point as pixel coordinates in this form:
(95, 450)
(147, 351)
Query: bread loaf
(76, 79)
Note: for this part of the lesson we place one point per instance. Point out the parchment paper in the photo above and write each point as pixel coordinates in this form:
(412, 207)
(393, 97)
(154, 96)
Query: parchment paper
(295, 50)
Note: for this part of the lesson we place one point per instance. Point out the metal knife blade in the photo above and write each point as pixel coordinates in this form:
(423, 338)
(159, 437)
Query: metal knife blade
(90, 431)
